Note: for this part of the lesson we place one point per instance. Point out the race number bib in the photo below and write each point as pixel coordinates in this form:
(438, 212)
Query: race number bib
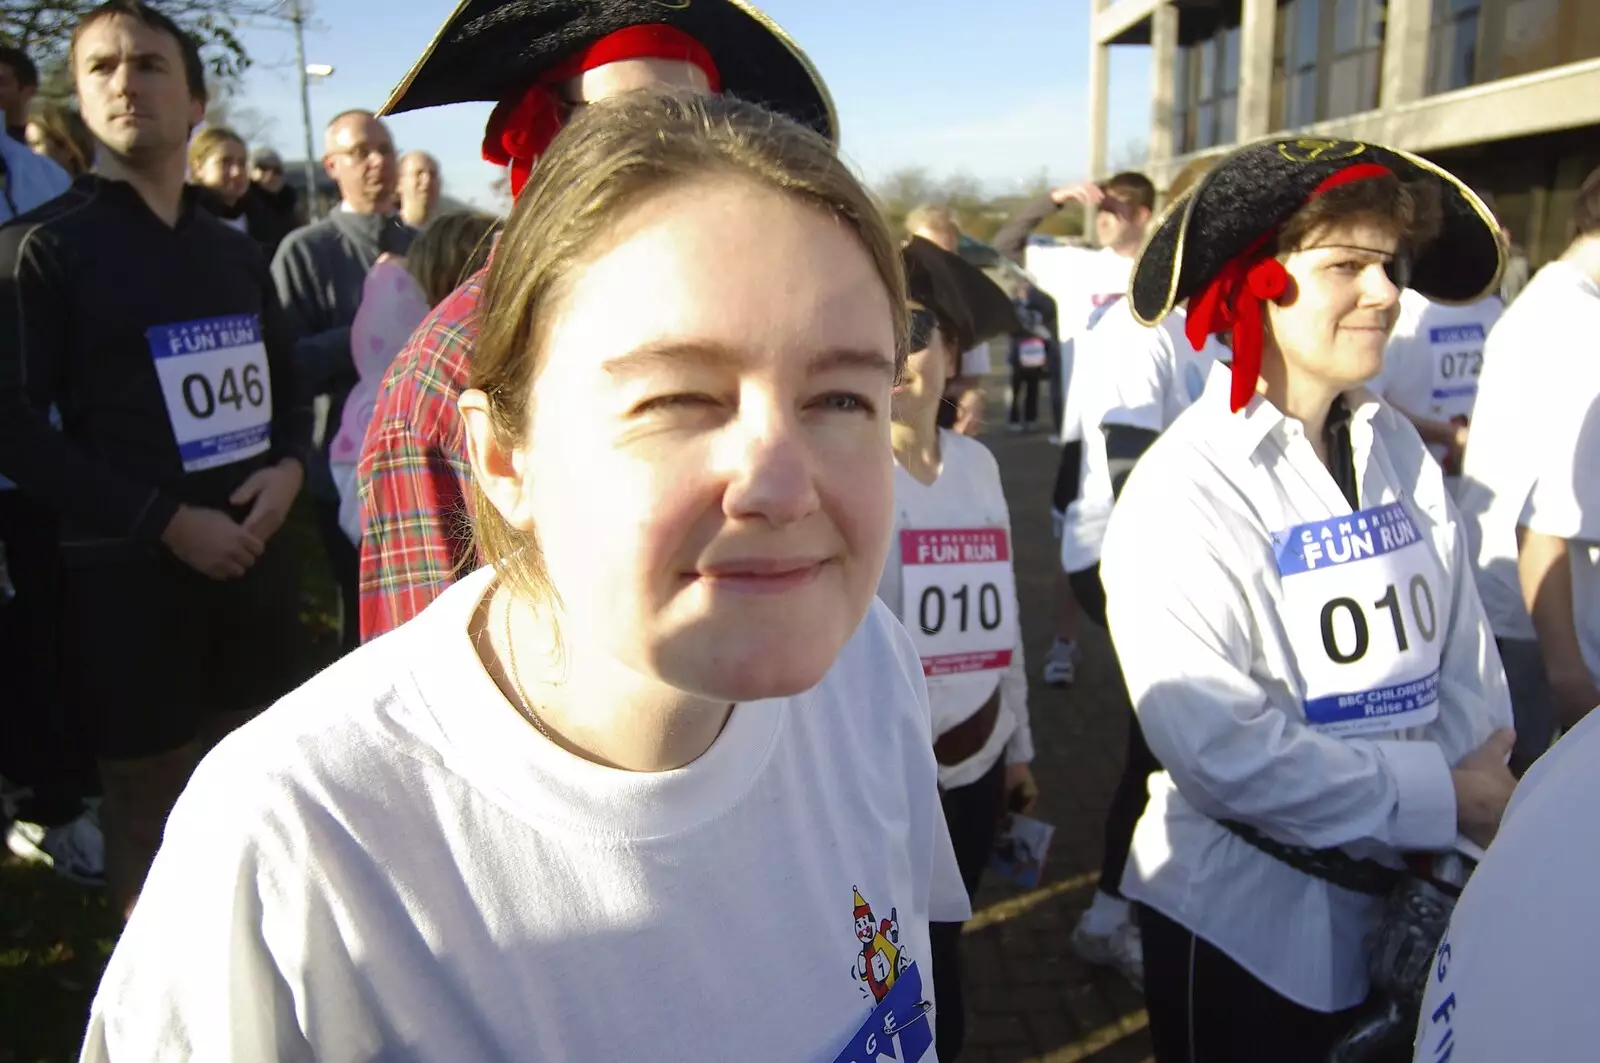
(1361, 605)
(960, 602)
(218, 392)
(1031, 353)
(1457, 364)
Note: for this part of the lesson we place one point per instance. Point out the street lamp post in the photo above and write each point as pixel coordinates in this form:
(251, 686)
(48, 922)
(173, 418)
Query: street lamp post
(298, 17)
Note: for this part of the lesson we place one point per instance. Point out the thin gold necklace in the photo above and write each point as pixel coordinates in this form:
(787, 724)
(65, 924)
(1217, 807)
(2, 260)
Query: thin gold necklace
(522, 705)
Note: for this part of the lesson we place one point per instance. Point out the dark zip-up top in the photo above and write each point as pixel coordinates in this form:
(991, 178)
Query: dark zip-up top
(97, 294)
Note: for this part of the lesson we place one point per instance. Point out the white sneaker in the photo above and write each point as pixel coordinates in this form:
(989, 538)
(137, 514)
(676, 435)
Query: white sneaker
(1061, 664)
(78, 850)
(26, 842)
(1121, 949)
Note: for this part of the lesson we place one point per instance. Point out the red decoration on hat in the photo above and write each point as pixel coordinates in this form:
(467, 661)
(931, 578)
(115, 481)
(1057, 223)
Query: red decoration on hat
(1232, 300)
(524, 123)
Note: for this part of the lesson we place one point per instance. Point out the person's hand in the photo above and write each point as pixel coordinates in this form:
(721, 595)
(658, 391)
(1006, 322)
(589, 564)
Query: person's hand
(1483, 787)
(1086, 192)
(211, 542)
(1021, 786)
(1458, 446)
(269, 493)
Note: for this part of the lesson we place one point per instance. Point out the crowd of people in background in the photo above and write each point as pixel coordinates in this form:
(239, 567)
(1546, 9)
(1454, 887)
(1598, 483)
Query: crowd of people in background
(675, 592)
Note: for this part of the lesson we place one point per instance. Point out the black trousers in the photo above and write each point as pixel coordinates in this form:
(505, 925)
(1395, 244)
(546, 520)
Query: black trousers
(973, 813)
(43, 745)
(1024, 394)
(344, 559)
(1205, 1008)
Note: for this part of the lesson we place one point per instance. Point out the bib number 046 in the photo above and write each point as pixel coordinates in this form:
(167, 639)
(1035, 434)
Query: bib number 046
(1419, 596)
(933, 610)
(232, 389)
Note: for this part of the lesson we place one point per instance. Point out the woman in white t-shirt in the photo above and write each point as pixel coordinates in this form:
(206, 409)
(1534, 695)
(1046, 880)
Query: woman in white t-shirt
(658, 784)
(1291, 598)
(950, 579)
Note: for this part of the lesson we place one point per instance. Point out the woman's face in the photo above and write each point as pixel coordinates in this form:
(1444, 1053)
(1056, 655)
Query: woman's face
(226, 171)
(928, 369)
(708, 470)
(42, 143)
(1333, 322)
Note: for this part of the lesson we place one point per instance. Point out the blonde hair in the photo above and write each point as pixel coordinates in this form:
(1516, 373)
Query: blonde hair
(613, 157)
(937, 220)
(65, 128)
(452, 248)
(207, 142)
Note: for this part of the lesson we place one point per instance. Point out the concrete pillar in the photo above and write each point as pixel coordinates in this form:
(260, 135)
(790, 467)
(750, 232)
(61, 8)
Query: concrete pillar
(1257, 33)
(1099, 100)
(1405, 52)
(1163, 88)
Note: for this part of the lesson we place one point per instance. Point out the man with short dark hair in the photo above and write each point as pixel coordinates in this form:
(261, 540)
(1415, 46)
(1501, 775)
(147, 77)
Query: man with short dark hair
(19, 83)
(154, 330)
(320, 271)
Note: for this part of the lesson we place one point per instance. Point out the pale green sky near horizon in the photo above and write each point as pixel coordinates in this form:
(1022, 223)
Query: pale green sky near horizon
(999, 93)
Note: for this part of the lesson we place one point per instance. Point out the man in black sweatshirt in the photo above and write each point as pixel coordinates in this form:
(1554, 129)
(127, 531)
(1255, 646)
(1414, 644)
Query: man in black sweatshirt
(154, 330)
(319, 271)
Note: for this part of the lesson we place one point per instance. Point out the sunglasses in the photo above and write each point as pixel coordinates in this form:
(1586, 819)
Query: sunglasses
(923, 324)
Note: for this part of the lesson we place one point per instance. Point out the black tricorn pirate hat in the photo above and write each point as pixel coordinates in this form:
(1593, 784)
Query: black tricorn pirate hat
(489, 49)
(1257, 188)
(959, 293)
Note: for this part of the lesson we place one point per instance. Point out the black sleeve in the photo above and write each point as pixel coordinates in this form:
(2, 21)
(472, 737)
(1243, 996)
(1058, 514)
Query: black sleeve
(321, 355)
(291, 405)
(1068, 473)
(1013, 235)
(1124, 447)
(35, 314)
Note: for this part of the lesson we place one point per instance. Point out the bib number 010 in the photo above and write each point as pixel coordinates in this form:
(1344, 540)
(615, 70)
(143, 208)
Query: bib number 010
(1422, 609)
(933, 610)
(232, 390)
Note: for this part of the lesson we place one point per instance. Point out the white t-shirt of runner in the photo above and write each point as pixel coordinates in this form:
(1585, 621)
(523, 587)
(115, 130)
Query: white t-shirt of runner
(1131, 375)
(392, 863)
(1513, 977)
(967, 497)
(1081, 281)
(1434, 359)
(1536, 359)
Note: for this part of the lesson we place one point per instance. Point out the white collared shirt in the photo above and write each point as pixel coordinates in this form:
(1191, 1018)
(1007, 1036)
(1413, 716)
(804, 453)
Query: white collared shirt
(1198, 612)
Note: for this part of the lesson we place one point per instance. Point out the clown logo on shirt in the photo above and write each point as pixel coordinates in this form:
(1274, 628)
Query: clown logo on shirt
(880, 963)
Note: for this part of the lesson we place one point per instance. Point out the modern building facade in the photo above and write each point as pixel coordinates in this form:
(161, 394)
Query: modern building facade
(1504, 93)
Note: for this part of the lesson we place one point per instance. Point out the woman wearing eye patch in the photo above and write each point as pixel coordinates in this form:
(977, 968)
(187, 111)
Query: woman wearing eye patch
(1292, 602)
(949, 577)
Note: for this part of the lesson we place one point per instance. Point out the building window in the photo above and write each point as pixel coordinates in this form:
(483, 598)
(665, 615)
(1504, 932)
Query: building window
(1206, 89)
(1473, 41)
(1327, 60)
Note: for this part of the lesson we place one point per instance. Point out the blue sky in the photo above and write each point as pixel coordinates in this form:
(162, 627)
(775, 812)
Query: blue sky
(999, 92)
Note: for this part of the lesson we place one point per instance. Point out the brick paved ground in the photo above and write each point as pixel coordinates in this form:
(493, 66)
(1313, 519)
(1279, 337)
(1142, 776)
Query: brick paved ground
(1030, 998)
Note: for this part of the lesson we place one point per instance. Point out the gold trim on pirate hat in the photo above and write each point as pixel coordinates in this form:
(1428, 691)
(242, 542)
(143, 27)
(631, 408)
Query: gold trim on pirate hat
(960, 294)
(488, 50)
(1214, 246)
(1257, 188)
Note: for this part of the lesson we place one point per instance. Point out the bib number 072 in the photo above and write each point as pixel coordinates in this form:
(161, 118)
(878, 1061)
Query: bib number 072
(232, 390)
(933, 610)
(1422, 609)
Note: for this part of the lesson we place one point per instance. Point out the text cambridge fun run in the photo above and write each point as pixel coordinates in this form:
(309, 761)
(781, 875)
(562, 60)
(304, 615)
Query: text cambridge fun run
(1351, 538)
